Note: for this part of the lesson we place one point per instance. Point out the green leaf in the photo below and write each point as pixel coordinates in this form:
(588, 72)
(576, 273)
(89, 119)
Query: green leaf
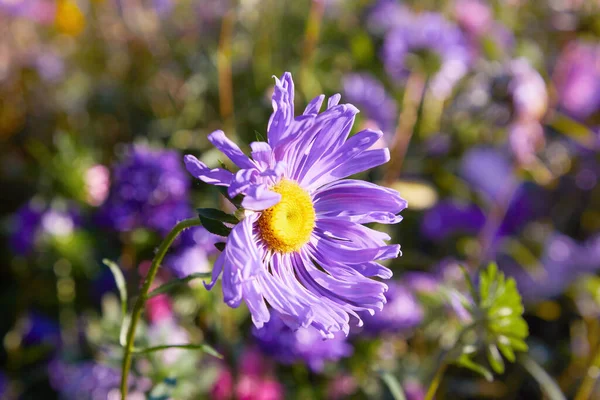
(236, 201)
(465, 361)
(215, 227)
(176, 282)
(547, 384)
(495, 359)
(217, 215)
(120, 281)
(203, 347)
(393, 385)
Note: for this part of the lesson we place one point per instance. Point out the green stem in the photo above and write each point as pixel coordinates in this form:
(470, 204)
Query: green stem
(437, 379)
(143, 296)
(589, 381)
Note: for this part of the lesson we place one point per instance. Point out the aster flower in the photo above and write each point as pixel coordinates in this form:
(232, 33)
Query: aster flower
(302, 345)
(577, 79)
(401, 313)
(36, 220)
(438, 44)
(368, 93)
(91, 380)
(449, 217)
(302, 247)
(192, 255)
(149, 190)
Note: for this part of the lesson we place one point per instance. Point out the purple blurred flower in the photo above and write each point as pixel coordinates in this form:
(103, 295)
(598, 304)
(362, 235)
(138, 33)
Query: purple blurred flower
(193, 251)
(528, 90)
(89, 380)
(440, 43)
(38, 329)
(488, 171)
(474, 16)
(401, 313)
(35, 219)
(41, 11)
(149, 190)
(370, 95)
(50, 66)
(386, 14)
(561, 263)
(577, 79)
(301, 247)
(305, 344)
(525, 138)
(449, 217)
(167, 331)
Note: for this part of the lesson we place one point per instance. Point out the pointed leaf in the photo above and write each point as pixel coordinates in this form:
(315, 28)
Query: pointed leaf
(121, 285)
(215, 227)
(495, 359)
(217, 215)
(393, 385)
(176, 282)
(465, 361)
(204, 347)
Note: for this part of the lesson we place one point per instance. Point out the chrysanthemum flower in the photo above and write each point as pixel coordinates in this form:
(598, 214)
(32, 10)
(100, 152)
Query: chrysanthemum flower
(302, 248)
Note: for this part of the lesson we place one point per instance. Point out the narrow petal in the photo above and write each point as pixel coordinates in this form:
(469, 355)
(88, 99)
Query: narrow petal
(217, 176)
(216, 272)
(334, 100)
(259, 197)
(359, 201)
(262, 154)
(230, 149)
(314, 106)
(283, 109)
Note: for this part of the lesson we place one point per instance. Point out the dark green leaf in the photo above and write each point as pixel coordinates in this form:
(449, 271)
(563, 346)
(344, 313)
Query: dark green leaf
(176, 282)
(220, 246)
(236, 201)
(120, 281)
(215, 227)
(217, 215)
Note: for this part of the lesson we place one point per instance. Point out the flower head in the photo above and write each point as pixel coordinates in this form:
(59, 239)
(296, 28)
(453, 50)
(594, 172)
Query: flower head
(302, 247)
(149, 190)
(304, 344)
(369, 94)
(429, 42)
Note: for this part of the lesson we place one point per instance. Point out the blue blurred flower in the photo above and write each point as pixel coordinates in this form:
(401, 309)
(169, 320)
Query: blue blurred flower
(401, 313)
(192, 254)
(488, 171)
(35, 219)
(577, 79)
(449, 217)
(367, 93)
(37, 329)
(562, 262)
(432, 43)
(385, 14)
(305, 344)
(89, 380)
(149, 190)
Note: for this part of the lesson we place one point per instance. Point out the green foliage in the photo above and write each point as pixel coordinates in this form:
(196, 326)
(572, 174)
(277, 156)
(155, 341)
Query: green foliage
(497, 312)
(176, 282)
(214, 221)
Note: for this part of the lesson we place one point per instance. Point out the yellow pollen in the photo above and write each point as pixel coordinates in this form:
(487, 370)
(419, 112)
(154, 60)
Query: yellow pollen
(287, 226)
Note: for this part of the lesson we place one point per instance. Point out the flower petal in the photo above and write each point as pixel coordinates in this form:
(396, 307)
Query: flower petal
(259, 197)
(217, 176)
(230, 149)
(283, 109)
(359, 201)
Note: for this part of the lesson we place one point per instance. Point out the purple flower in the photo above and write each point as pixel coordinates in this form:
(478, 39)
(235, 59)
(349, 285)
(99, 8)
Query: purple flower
(474, 16)
(385, 14)
(528, 90)
(561, 263)
(35, 219)
(42, 11)
(304, 344)
(302, 247)
(488, 171)
(38, 329)
(149, 190)
(432, 41)
(449, 217)
(525, 138)
(90, 380)
(368, 93)
(401, 313)
(577, 79)
(193, 252)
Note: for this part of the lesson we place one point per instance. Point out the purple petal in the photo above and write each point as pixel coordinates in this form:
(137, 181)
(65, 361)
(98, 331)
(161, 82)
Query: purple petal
(198, 169)
(283, 109)
(217, 269)
(315, 105)
(359, 201)
(230, 149)
(259, 197)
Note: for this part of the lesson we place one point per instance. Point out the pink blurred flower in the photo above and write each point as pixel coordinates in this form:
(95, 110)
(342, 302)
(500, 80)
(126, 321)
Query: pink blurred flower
(97, 184)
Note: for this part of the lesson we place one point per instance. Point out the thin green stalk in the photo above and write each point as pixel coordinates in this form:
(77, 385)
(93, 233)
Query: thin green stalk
(437, 379)
(143, 296)
(589, 381)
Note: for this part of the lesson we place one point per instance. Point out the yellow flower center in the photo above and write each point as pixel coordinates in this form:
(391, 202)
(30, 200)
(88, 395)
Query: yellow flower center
(287, 226)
